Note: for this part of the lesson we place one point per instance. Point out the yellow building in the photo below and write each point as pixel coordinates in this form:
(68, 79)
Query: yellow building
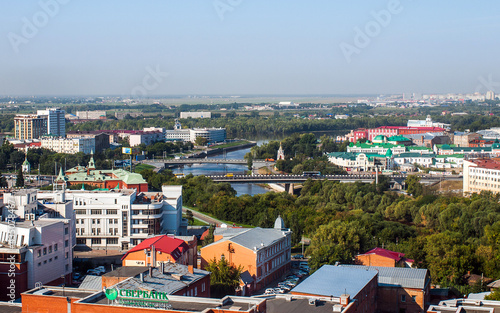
(30, 126)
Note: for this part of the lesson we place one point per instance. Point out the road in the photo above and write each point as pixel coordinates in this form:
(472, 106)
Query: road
(203, 217)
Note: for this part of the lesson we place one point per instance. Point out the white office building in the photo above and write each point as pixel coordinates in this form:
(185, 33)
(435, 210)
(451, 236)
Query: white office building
(121, 219)
(56, 122)
(69, 145)
(196, 115)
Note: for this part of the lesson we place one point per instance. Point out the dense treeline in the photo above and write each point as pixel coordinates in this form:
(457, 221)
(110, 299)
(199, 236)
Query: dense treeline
(448, 235)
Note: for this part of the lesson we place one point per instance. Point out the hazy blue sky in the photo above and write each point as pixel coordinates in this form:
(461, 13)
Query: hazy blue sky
(247, 47)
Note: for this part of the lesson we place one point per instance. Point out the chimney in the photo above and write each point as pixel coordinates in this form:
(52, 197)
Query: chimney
(150, 271)
(344, 299)
(191, 269)
(162, 268)
(142, 277)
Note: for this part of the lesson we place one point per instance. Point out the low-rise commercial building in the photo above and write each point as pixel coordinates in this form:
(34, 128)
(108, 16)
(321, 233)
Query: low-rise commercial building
(68, 145)
(196, 115)
(383, 257)
(101, 139)
(263, 252)
(156, 250)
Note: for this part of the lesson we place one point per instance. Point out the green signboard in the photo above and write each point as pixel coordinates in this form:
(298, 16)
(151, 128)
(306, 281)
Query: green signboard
(138, 298)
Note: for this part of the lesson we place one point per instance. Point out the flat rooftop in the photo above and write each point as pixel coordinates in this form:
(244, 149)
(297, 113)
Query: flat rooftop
(60, 292)
(190, 304)
(281, 305)
(6, 307)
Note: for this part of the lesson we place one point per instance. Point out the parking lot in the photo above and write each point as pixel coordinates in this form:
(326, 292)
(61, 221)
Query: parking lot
(300, 271)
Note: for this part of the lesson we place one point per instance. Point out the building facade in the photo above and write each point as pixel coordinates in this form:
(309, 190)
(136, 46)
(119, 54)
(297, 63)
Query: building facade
(263, 252)
(481, 175)
(55, 121)
(120, 219)
(196, 115)
(69, 145)
(30, 126)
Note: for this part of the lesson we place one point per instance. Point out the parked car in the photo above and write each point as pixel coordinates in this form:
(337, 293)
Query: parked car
(279, 290)
(76, 276)
(270, 291)
(94, 272)
(284, 286)
(298, 256)
(100, 269)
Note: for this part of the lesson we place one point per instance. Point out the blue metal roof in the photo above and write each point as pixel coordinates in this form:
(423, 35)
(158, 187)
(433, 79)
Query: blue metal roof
(335, 281)
(398, 276)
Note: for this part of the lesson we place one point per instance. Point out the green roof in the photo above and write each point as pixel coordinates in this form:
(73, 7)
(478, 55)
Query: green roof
(343, 155)
(415, 155)
(457, 155)
(410, 148)
(381, 145)
(398, 138)
(380, 137)
(103, 175)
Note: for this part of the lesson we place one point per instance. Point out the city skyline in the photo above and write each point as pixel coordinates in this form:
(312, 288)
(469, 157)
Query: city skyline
(222, 47)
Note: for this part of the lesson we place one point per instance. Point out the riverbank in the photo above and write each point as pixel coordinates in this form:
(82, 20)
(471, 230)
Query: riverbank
(223, 149)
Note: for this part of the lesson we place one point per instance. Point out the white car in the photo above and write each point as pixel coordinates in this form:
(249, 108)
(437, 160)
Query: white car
(100, 269)
(270, 291)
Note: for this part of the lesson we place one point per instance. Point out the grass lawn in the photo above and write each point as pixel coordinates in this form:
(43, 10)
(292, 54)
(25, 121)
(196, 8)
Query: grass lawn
(231, 144)
(142, 167)
(225, 222)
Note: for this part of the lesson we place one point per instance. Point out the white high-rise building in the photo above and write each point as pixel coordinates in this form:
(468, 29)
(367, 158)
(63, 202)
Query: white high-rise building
(490, 95)
(56, 123)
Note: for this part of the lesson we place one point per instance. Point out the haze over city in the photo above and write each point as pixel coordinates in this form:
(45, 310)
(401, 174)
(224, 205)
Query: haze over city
(247, 47)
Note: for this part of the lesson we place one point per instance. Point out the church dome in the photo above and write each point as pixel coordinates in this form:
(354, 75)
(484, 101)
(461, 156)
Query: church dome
(279, 223)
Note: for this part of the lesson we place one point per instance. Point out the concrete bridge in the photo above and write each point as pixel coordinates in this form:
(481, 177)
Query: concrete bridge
(364, 178)
(167, 162)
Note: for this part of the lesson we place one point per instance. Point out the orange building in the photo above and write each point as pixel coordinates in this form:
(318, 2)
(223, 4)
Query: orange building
(57, 300)
(156, 250)
(263, 252)
(104, 179)
(400, 289)
(383, 257)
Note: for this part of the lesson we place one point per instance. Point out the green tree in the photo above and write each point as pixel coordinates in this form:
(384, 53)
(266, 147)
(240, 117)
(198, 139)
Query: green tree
(413, 185)
(495, 295)
(190, 217)
(201, 141)
(210, 236)
(3, 181)
(20, 178)
(337, 241)
(249, 158)
(224, 278)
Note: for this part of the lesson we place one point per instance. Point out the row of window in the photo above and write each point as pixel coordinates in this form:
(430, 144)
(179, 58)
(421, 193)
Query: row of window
(49, 249)
(97, 221)
(96, 212)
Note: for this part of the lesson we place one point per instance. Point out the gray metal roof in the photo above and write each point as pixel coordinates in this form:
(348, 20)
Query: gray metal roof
(91, 282)
(258, 238)
(335, 281)
(164, 282)
(398, 276)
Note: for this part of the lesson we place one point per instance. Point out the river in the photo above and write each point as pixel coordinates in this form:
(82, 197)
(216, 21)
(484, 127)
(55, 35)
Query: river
(222, 169)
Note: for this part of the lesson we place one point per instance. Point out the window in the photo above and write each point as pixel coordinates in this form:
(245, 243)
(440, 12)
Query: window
(56, 257)
(39, 253)
(45, 262)
(50, 249)
(95, 212)
(66, 230)
(403, 298)
(111, 211)
(96, 241)
(66, 243)
(66, 255)
(39, 263)
(44, 251)
(50, 260)
(112, 241)
(80, 212)
(414, 298)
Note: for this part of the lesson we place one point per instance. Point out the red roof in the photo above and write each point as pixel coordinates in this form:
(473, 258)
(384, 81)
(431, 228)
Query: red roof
(397, 256)
(487, 163)
(429, 129)
(173, 246)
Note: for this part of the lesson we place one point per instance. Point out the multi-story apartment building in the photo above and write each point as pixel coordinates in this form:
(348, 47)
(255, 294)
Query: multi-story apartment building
(211, 134)
(195, 115)
(91, 115)
(102, 140)
(121, 219)
(55, 121)
(29, 126)
(481, 175)
(69, 145)
(36, 242)
(463, 139)
(145, 137)
(262, 252)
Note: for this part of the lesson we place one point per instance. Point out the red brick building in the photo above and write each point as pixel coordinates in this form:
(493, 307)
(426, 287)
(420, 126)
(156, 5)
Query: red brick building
(383, 257)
